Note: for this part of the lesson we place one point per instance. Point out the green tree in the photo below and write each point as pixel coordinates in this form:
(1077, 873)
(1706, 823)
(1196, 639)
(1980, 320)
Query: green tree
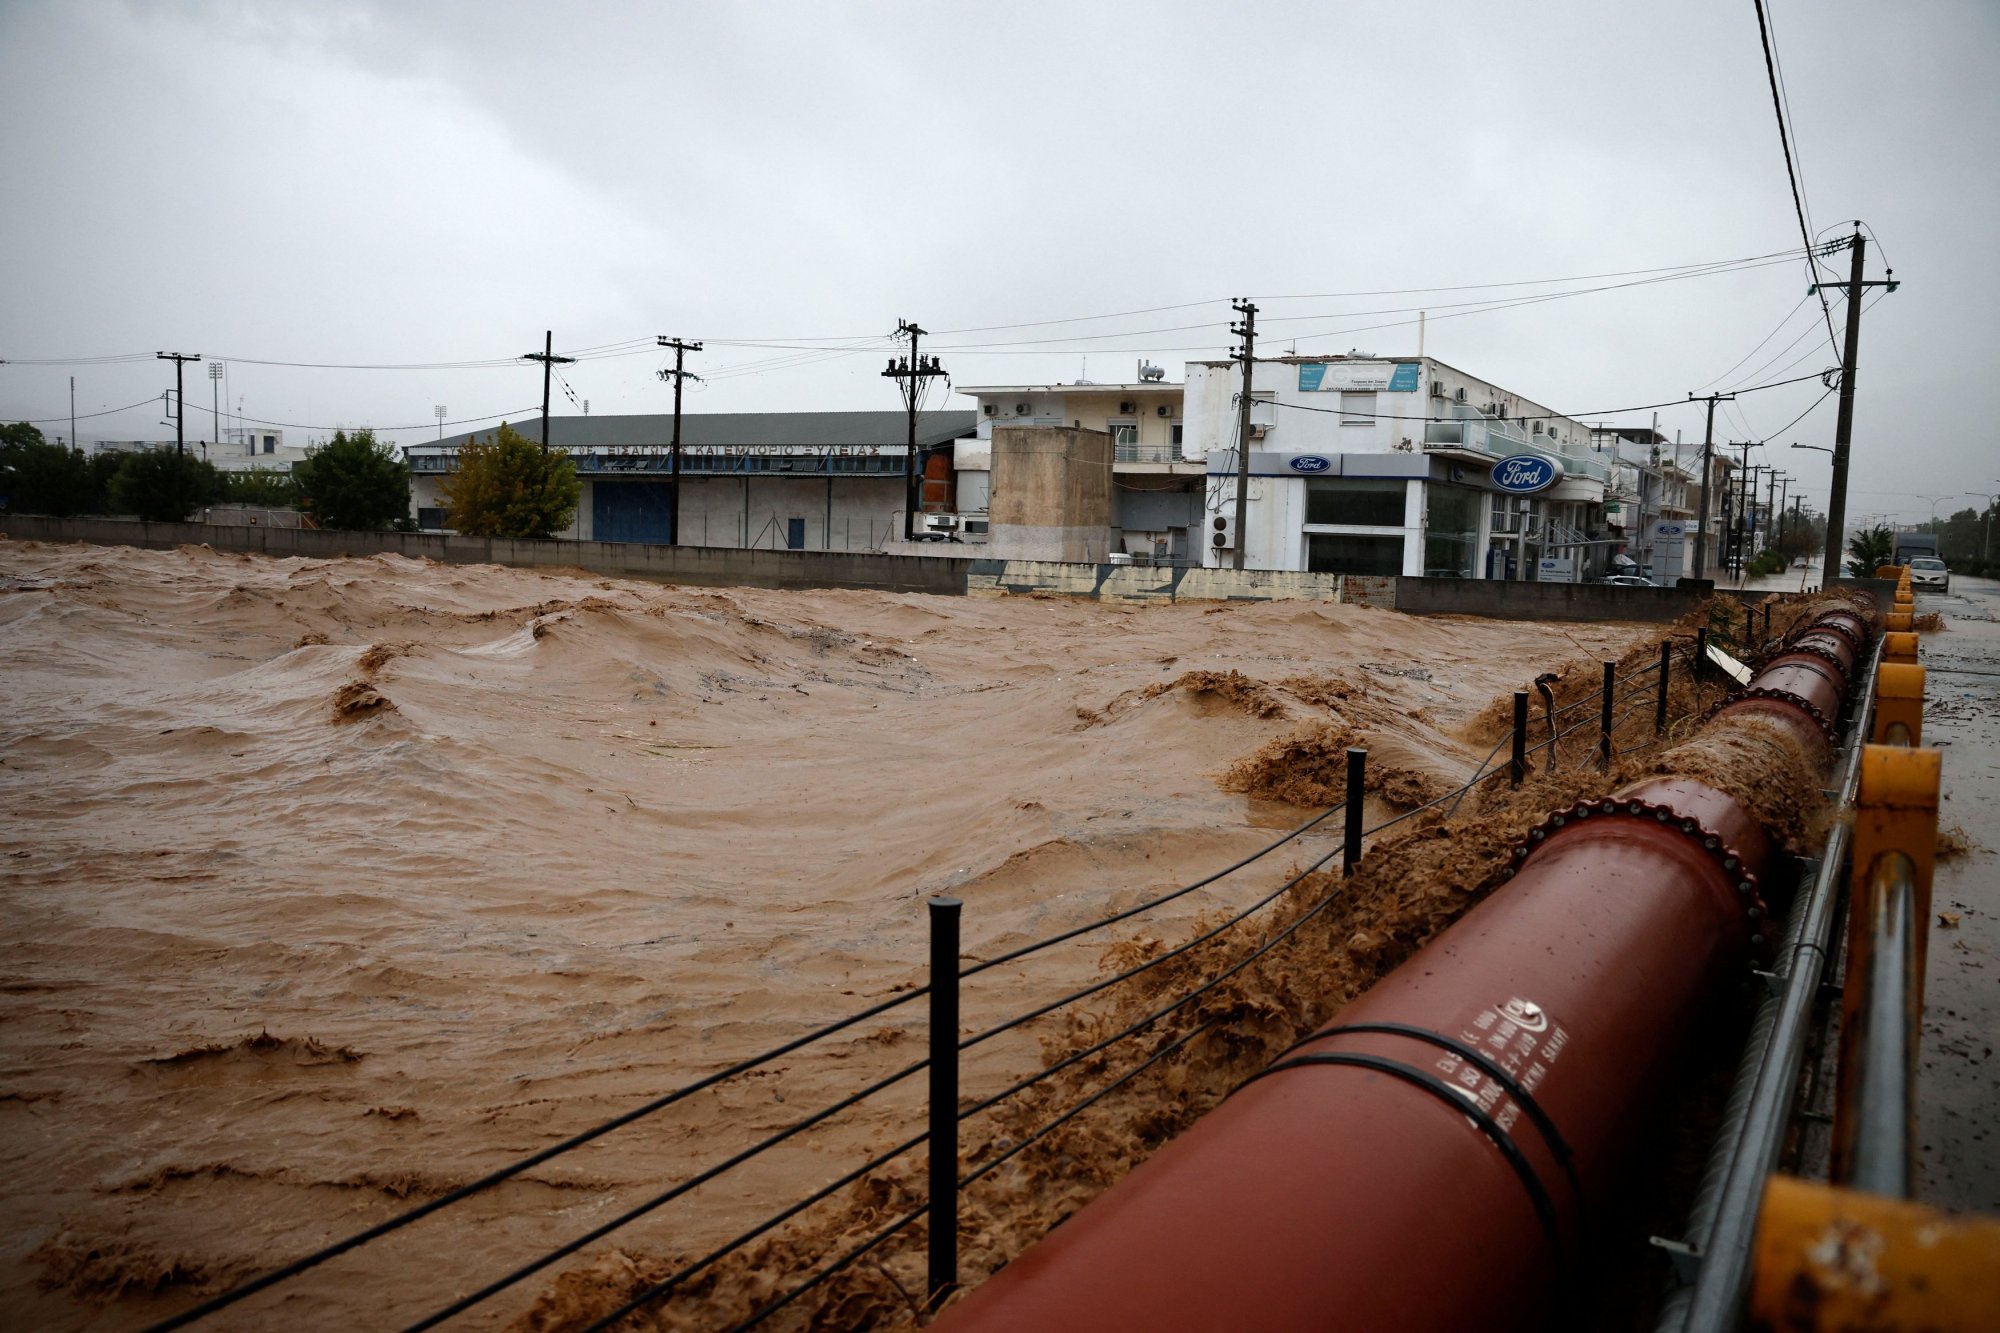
(37, 477)
(354, 482)
(1870, 549)
(164, 485)
(507, 486)
(266, 487)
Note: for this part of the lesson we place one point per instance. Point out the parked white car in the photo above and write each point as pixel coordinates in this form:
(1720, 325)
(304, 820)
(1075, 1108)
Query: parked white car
(1928, 573)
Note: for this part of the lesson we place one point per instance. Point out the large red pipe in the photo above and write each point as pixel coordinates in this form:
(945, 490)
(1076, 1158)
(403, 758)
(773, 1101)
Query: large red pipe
(1432, 1160)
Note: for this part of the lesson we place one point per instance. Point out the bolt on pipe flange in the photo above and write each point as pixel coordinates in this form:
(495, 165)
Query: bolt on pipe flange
(1814, 650)
(1710, 843)
(1829, 727)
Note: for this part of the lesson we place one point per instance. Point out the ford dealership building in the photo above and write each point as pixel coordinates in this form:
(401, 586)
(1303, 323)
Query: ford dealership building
(1375, 465)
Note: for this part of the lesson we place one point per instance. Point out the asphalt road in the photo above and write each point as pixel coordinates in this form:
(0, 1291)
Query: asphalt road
(1958, 1090)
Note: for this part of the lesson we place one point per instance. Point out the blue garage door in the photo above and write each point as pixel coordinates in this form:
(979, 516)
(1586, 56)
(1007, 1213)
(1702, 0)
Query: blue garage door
(632, 511)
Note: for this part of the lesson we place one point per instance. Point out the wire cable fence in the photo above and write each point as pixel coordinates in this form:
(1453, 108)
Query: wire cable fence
(949, 1046)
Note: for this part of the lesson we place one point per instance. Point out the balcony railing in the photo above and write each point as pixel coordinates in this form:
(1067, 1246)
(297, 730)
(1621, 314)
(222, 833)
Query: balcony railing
(1475, 431)
(1148, 453)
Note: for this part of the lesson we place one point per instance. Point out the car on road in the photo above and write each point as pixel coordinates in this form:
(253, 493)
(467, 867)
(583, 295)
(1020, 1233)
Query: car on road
(1929, 573)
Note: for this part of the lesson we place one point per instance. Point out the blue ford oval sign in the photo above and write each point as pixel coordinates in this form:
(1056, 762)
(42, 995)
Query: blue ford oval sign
(1311, 463)
(1524, 474)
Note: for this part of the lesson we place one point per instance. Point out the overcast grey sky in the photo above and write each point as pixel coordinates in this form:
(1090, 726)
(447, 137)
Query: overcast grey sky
(350, 182)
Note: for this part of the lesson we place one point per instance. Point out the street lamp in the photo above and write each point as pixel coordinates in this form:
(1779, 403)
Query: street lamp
(1816, 448)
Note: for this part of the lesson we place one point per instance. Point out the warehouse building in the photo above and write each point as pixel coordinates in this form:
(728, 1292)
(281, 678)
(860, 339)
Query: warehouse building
(802, 481)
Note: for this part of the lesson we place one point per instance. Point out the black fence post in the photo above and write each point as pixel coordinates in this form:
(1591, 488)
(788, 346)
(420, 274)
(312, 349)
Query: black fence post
(1357, 776)
(943, 1219)
(1666, 670)
(1520, 764)
(1749, 631)
(1767, 619)
(1604, 722)
(1700, 656)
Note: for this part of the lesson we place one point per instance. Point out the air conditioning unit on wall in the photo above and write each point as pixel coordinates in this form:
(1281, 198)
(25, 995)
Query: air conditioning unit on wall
(1460, 395)
(1437, 388)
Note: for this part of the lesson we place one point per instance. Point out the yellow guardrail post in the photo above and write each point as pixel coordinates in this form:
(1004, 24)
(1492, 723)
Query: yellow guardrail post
(1899, 704)
(1900, 647)
(1831, 1259)
(1888, 920)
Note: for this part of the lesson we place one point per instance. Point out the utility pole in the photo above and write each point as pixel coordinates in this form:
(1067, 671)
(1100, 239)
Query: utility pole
(913, 371)
(1247, 330)
(1771, 504)
(1843, 430)
(74, 443)
(678, 374)
(547, 356)
(1707, 470)
(180, 416)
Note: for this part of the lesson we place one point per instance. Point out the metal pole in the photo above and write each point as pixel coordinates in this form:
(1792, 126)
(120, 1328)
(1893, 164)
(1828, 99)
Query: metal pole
(1666, 671)
(943, 1218)
(1843, 429)
(1879, 1137)
(1749, 627)
(1700, 655)
(74, 443)
(1520, 761)
(1604, 721)
(1357, 778)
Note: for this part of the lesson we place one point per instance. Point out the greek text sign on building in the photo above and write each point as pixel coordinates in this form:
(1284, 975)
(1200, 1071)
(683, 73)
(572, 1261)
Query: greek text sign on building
(1525, 474)
(1359, 377)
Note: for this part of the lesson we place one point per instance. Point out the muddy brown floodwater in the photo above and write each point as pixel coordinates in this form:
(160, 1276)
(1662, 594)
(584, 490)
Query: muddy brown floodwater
(328, 885)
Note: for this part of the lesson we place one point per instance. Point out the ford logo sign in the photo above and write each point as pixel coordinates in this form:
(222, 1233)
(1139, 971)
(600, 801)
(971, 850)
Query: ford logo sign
(1524, 474)
(1311, 463)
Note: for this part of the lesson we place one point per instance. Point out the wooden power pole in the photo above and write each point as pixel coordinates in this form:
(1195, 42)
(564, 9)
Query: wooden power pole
(1707, 482)
(1843, 430)
(179, 359)
(679, 374)
(547, 356)
(913, 372)
(1247, 330)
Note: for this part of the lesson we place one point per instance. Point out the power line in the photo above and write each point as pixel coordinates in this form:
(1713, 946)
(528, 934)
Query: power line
(1791, 171)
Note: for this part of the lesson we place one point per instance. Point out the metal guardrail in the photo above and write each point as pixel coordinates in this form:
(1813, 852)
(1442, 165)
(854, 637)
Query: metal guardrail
(1723, 1223)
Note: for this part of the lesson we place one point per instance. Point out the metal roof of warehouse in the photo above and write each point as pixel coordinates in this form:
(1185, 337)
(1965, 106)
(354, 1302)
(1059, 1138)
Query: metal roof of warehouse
(732, 428)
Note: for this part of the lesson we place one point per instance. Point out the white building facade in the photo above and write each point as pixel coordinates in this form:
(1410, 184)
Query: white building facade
(1404, 465)
(1156, 486)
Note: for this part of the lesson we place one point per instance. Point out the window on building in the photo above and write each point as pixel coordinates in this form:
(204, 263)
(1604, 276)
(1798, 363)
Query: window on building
(1506, 515)
(1356, 502)
(1451, 530)
(1177, 429)
(1357, 409)
(270, 444)
(1123, 432)
(1330, 553)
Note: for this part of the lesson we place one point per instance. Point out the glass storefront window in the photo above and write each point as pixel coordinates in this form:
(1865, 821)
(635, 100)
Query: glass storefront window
(1451, 536)
(1358, 502)
(1328, 553)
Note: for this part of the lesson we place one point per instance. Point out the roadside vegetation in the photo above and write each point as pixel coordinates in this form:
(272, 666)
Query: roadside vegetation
(509, 486)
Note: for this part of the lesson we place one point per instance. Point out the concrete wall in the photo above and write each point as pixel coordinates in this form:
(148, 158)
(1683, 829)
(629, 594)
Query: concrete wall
(953, 572)
(671, 564)
(1542, 601)
(1051, 494)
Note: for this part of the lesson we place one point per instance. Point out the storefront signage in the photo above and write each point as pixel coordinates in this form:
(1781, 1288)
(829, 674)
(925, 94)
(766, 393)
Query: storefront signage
(1525, 474)
(1359, 376)
(1311, 463)
(1669, 529)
